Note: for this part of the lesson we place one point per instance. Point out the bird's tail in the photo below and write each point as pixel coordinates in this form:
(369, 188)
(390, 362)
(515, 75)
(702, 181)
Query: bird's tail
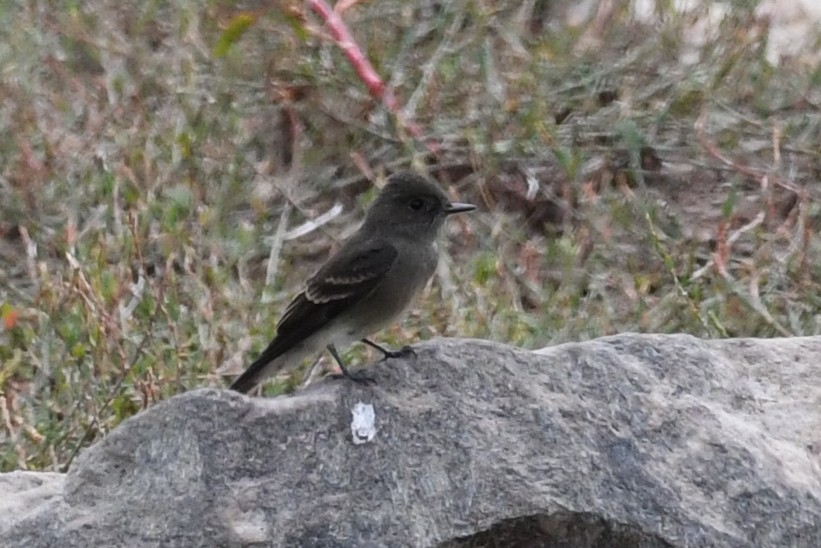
(261, 368)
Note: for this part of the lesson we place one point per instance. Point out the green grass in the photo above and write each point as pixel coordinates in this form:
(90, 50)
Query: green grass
(149, 157)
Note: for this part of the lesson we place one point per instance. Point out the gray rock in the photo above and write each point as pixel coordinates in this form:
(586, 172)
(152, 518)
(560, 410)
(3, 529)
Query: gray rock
(24, 493)
(627, 441)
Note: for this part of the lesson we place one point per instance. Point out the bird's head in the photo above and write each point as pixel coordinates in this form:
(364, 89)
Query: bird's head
(412, 205)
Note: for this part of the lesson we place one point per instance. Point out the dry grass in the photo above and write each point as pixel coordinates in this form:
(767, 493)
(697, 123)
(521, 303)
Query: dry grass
(151, 191)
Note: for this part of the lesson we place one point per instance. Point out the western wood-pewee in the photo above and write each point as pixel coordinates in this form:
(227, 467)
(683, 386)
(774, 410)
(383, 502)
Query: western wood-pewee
(365, 285)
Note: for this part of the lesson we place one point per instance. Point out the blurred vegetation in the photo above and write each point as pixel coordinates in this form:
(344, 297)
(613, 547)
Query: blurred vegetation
(171, 173)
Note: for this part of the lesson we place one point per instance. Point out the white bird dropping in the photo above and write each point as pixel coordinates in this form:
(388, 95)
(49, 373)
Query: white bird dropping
(363, 428)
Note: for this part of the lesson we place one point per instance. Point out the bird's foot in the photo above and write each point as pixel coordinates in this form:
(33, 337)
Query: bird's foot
(403, 352)
(356, 376)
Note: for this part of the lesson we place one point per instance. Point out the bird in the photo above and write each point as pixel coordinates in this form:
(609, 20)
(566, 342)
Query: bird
(366, 285)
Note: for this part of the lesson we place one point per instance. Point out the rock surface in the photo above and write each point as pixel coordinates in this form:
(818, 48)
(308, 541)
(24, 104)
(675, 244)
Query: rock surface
(626, 441)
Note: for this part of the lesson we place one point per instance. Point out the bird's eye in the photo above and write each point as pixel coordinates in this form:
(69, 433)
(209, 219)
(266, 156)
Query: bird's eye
(417, 204)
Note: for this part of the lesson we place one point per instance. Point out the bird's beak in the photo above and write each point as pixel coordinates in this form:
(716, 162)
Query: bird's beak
(456, 207)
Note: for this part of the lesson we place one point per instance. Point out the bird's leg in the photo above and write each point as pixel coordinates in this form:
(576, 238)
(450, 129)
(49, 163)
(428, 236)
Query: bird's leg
(359, 377)
(403, 352)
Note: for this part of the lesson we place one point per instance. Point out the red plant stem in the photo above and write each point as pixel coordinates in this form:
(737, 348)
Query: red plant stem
(376, 86)
(344, 39)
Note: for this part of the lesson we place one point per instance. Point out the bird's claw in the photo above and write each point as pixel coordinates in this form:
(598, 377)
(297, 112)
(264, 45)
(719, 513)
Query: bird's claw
(357, 377)
(403, 352)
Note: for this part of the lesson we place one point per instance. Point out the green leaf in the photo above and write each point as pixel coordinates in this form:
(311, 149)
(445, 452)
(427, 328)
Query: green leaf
(231, 35)
(729, 204)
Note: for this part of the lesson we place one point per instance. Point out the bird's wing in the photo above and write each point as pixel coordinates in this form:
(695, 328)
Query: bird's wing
(347, 278)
